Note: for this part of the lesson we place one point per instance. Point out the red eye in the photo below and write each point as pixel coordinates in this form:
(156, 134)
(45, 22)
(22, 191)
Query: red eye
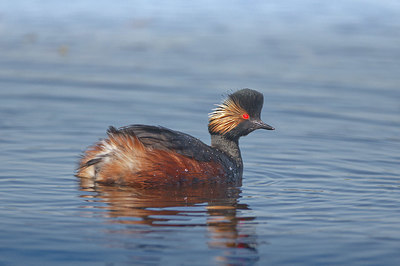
(245, 116)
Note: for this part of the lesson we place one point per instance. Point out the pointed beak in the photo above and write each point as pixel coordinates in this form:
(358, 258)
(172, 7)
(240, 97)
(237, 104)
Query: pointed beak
(261, 125)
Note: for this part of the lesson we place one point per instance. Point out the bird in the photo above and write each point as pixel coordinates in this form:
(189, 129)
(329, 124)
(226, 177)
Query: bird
(150, 156)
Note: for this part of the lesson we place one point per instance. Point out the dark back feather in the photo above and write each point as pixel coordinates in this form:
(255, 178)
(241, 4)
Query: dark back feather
(161, 138)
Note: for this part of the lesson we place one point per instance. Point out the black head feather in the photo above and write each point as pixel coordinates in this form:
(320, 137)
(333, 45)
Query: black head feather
(250, 100)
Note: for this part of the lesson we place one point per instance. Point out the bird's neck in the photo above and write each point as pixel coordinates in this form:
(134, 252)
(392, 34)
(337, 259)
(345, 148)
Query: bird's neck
(229, 147)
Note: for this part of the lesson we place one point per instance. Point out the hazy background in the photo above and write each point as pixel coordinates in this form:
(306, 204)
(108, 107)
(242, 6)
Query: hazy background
(322, 188)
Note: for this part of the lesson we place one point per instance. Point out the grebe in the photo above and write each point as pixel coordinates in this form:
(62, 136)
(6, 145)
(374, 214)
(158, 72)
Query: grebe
(153, 155)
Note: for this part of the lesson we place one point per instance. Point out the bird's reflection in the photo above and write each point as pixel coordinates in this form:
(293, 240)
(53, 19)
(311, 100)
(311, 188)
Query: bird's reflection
(215, 206)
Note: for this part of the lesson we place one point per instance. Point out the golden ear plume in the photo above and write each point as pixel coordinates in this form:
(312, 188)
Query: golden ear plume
(225, 117)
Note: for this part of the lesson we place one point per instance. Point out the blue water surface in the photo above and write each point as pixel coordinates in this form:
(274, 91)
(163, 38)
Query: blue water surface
(323, 188)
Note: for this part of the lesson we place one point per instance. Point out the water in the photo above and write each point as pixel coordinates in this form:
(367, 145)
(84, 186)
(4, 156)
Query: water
(324, 188)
